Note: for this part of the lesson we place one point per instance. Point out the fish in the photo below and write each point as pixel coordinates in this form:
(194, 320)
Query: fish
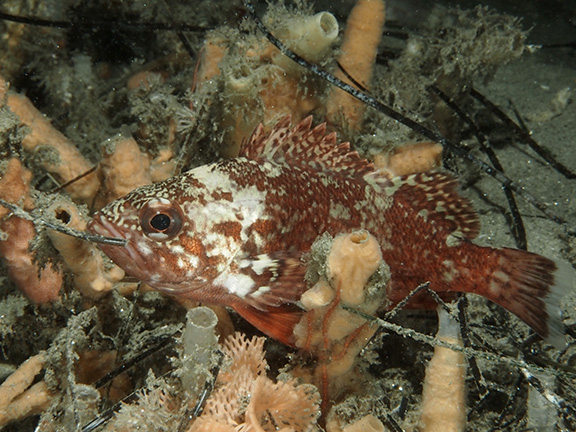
(236, 233)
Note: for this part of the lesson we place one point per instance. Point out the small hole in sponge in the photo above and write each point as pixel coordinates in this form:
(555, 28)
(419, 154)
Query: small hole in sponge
(63, 216)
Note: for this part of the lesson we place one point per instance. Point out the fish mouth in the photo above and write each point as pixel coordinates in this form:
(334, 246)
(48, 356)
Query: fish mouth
(127, 257)
(101, 226)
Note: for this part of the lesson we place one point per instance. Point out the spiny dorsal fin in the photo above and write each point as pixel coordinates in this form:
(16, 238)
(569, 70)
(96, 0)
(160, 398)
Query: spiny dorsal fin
(303, 144)
(435, 196)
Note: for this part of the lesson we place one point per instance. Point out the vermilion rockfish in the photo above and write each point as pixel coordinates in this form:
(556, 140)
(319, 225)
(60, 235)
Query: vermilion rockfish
(234, 233)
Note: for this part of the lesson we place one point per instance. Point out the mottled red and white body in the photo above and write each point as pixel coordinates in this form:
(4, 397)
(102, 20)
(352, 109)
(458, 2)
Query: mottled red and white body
(234, 233)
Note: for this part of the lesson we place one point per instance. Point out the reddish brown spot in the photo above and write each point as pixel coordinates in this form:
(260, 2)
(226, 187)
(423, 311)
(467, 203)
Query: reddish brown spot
(210, 269)
(264, 227)
(229, 229)
(249, 175)
(192, 245)
(192, 182)
(222, 196)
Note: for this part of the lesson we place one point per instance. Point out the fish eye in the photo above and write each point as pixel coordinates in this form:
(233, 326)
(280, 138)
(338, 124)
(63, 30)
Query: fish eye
(160, 222)
(161, 219)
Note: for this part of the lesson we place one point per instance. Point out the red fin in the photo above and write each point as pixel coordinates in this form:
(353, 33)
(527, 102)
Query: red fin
(278, 278)
(435, 197)
(265, 290)
(303, 144)
(531, 287)
(276, 322)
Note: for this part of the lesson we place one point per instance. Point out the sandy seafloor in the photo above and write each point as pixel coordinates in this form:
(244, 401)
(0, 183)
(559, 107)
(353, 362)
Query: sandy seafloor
(532, 84)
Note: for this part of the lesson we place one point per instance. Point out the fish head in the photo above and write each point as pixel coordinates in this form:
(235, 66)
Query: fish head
(165, 243)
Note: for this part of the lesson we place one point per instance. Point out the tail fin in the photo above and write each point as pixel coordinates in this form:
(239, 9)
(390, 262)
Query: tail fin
(532, 286)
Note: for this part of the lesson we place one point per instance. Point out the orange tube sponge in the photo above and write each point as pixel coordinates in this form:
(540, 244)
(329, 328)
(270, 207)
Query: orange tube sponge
(40, 285)
(444, 389)
(352, 260)
(15, 186)
(64, 159)
(17, 399)
(334, 335)
(21, 379)
(124, 167)
(359, 49)
(367, 423)
(410, 159)
(92, 277)
(213, 51)
(261, 85)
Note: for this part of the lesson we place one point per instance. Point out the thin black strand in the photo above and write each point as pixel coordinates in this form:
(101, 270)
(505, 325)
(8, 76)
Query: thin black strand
(17, 211)
(167, 342)
(517, 224)
(523, 135)
(42, 22)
